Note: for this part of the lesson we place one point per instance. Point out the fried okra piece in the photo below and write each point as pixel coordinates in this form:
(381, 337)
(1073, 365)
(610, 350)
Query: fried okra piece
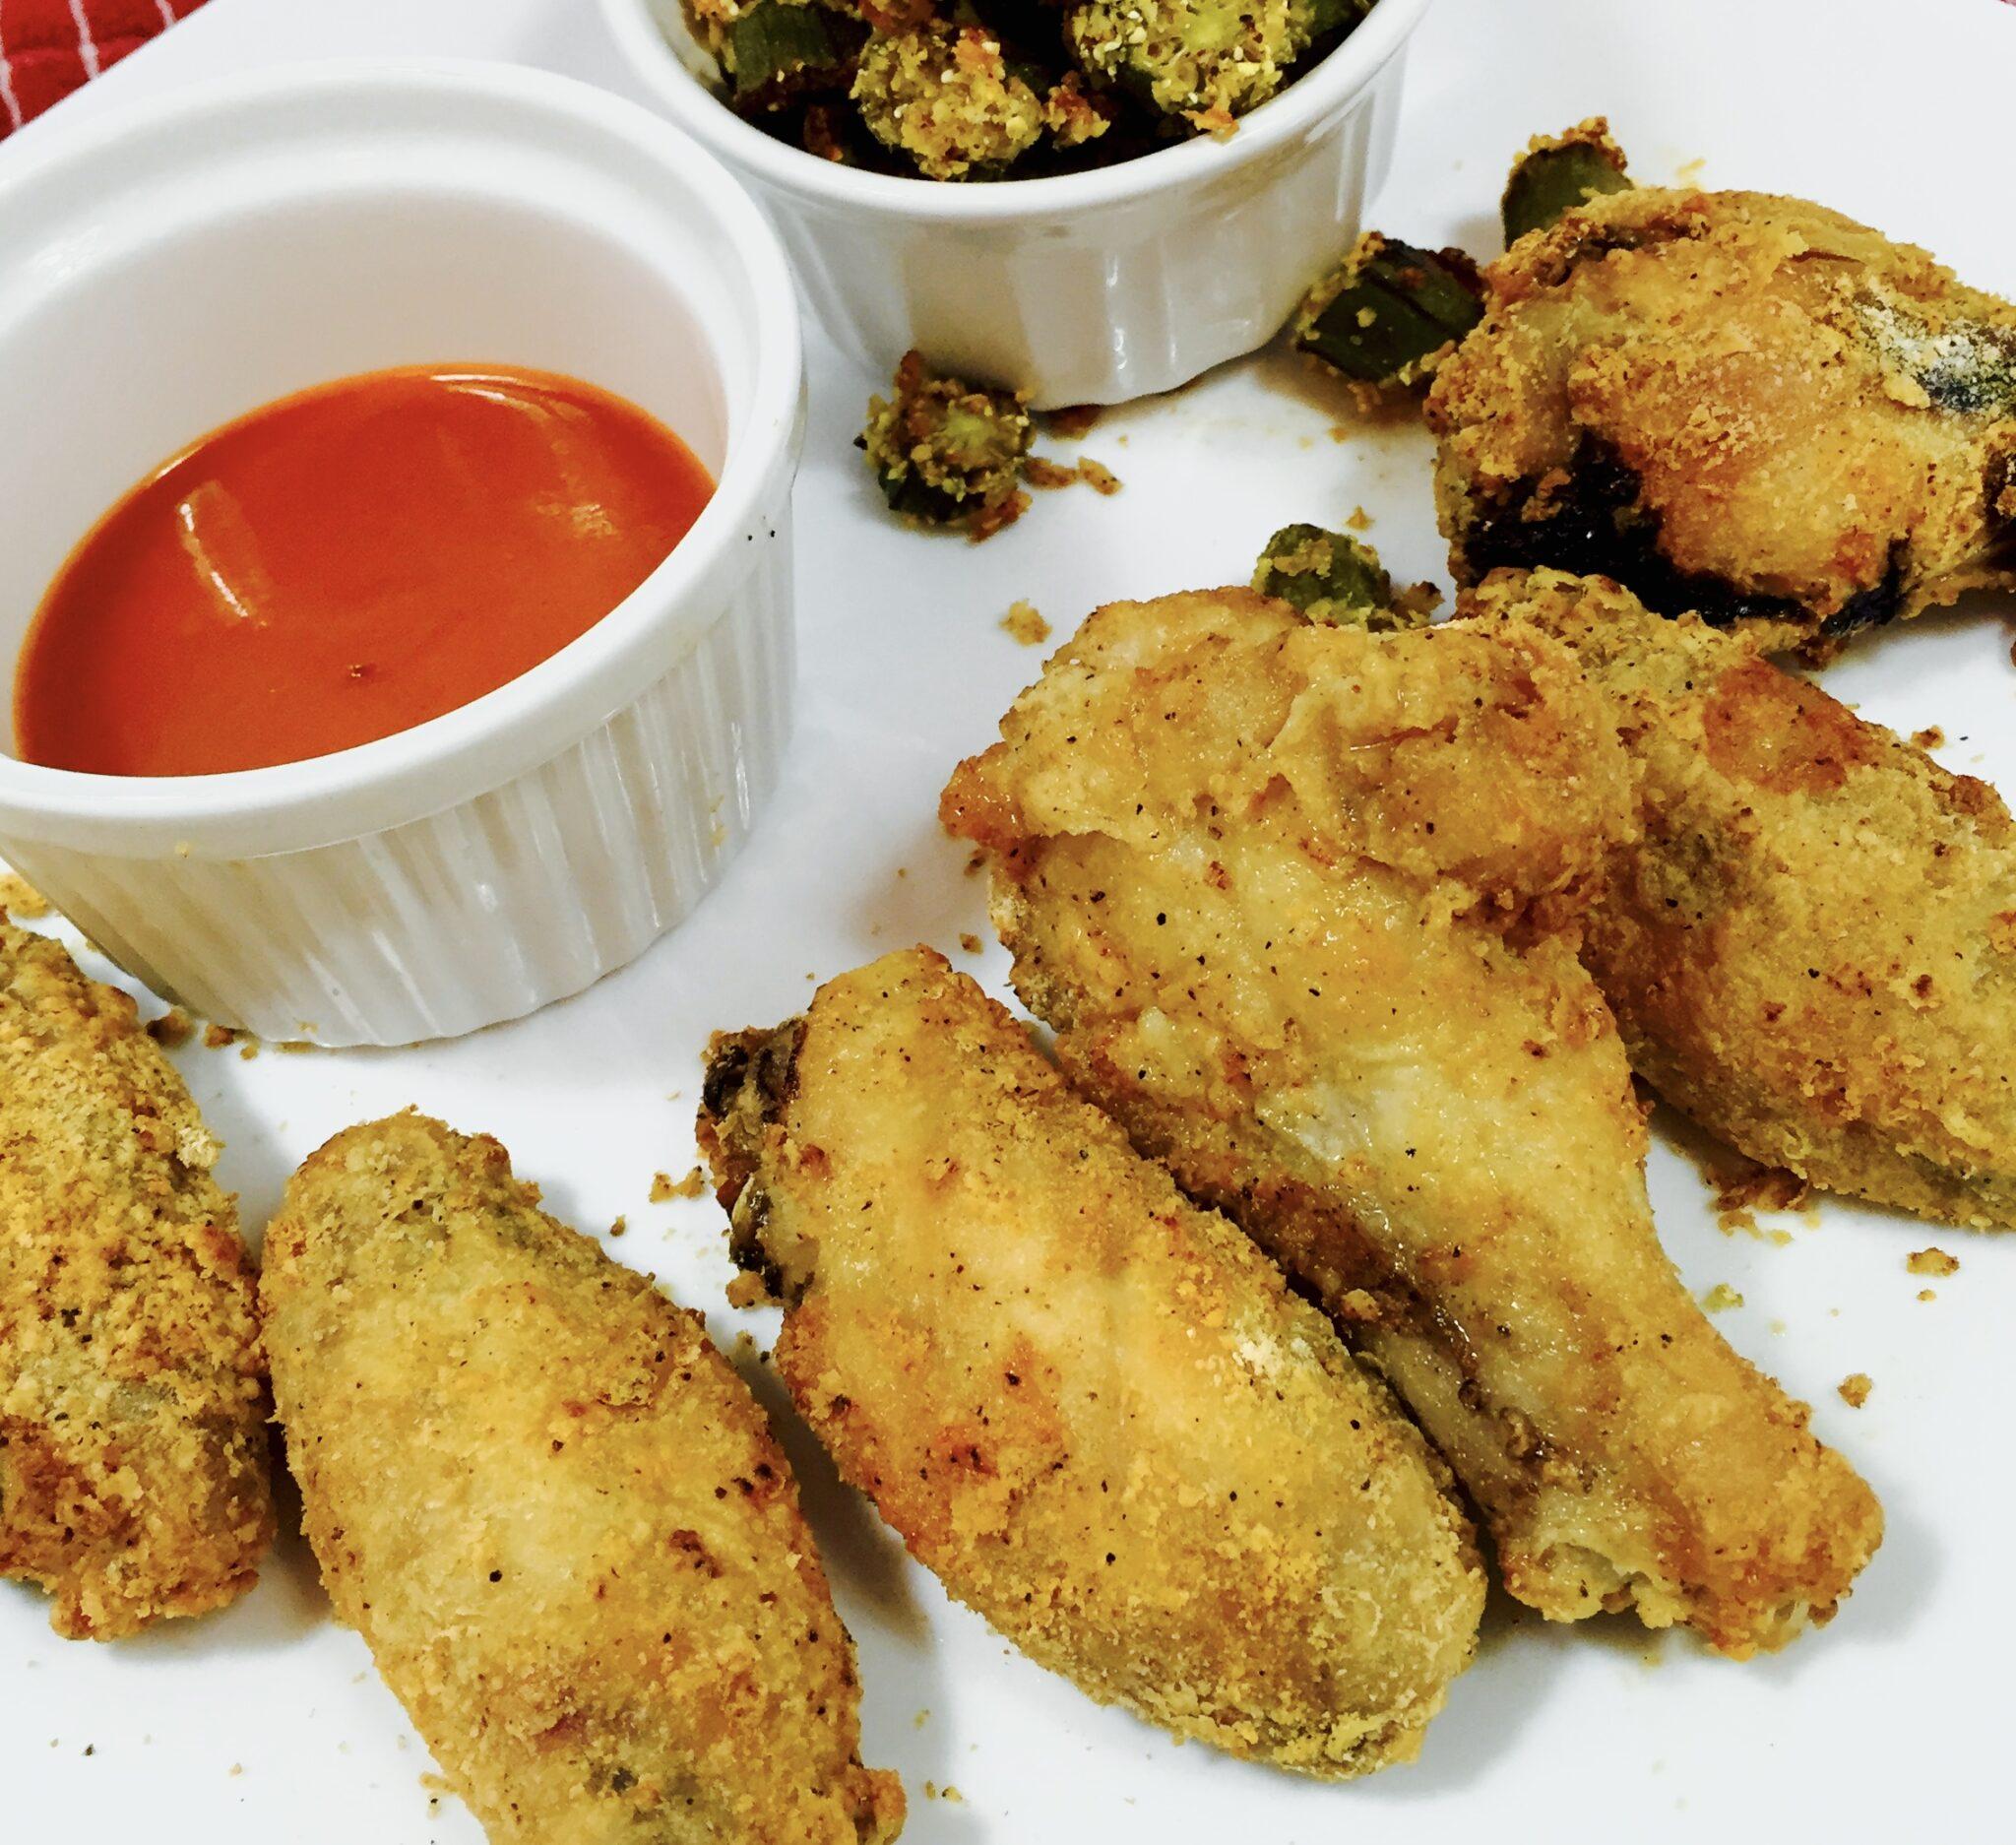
(1735, 405)
(1559, 173)
(1097, 1413)
(1302, 906)
(780, 51)
(1205, 62)
(947, 99)
(1390, 313)
(1811, 947)
(948, 453)
(555, 1512)
(1331, 577)
(134, 1470)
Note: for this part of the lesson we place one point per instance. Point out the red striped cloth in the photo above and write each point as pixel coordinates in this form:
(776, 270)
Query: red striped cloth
(50, 48)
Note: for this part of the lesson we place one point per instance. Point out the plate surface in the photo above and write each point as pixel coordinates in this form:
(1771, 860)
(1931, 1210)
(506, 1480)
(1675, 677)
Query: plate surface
(268, 1723)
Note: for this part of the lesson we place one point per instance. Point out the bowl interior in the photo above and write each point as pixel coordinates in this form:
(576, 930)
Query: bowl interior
(151, 292)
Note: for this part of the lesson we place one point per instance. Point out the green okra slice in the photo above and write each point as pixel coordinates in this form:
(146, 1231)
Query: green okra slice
(1389, 312)
(781, 52)
(1559, 173)
(1333, 578)
(946, 452)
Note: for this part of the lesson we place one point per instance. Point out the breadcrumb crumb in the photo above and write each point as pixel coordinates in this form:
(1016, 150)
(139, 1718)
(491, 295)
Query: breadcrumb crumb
(1854, 1389)
(1932, 1261)
(20, 898)
(1025, 624)
(173, 1029)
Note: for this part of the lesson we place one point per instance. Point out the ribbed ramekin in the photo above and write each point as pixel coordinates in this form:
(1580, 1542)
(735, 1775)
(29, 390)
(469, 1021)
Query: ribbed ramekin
(1090, 287)
(166, 269)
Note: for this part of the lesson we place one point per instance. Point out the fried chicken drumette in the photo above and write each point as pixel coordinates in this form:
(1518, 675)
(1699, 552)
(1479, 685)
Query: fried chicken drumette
(134, 1472)
(555, 1513)
(1094, 1411)
(1745, 406)
(1302, 906)
(1812, 949)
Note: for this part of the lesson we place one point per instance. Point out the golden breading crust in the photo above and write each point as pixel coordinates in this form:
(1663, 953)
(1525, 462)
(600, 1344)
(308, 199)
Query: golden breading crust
(1302, 904)
(555, 1513)
(1735, 404)
(1812, 948)
(133, 1464)
(1096, 1412)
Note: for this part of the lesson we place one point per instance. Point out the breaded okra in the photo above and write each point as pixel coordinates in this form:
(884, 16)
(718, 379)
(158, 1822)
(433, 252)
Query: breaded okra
(555, 1513)
(947, 99)
(948, 453)
(134, 1469)
(1559, 173)
(1096, 1412)
(1390, 313)
(1330, 577)
(1303, 904)
(778, 52)
(1206, 62)
(1811, 948)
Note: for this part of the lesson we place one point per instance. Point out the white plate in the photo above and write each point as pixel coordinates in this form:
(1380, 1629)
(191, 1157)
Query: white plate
(268, 1724)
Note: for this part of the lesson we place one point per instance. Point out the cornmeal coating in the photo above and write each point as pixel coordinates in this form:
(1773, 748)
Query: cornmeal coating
(1812, 949)
(1741, 406)
(1303, 904)
(1208, 61)
(133, 1464)
(555, 1514)
(947, 97)
(1094, 1411)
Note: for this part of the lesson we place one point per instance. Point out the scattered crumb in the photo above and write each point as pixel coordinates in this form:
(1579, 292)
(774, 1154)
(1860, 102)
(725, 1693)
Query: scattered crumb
(236, 1770)
(950, 1793)
(1690, 171)
(1776, 1326)
(1854, 1389)
(903, 870)
(20, 898)
(1743, 1189)
(1074, 422)
(920, 1719)
(296, 1046)
(1720, 1297)
(969, 942)
(1932, 1261)
(1927, 1294)
(1931, 737)
(216, 1036)
(173, 1029)
(249, 1049)
(434, 1783)
(745, 1291)
(1044, 474)
(1023, 623)
(691, 1187)
(619, 1226)
(974, 865)
(1338, 432)
(930, 1790)
(745, 1343)
(1359, 520)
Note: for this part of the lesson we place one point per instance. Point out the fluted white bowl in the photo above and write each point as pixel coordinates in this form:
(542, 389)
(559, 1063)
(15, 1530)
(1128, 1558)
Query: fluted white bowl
(166, 270)
(1088, 288)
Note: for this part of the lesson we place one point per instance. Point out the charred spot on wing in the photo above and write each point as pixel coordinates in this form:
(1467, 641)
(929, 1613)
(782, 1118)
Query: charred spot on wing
(1597, 525)
(746, 1249)
(1870, 607)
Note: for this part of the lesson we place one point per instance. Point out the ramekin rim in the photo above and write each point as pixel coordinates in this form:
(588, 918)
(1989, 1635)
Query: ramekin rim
(1345, 74)
(429, 754)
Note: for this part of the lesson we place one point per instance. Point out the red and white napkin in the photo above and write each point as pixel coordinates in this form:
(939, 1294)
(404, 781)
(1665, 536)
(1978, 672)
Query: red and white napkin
(50, 47)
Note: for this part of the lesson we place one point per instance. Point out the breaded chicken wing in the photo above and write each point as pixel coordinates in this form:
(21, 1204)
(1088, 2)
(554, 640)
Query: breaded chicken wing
(134, 1465)
(1302, 904)
(1811, 950)
(1094, 1411)
(555, 1513)
(1741, 406)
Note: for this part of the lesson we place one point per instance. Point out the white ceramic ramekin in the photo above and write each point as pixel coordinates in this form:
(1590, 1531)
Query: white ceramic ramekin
(1087, 289)
(164, 271)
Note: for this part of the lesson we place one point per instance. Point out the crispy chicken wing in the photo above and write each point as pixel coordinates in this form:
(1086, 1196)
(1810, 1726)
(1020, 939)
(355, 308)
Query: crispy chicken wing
(1742, 405)
(555, 1513)
(1302, 904)
(1811, 950)
(134, 1468)
(1096, 1412)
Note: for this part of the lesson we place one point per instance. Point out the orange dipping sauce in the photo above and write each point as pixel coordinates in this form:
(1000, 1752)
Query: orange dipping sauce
(346, 563)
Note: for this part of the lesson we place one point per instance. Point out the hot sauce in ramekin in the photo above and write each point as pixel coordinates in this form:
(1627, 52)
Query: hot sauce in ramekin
(346, 563)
